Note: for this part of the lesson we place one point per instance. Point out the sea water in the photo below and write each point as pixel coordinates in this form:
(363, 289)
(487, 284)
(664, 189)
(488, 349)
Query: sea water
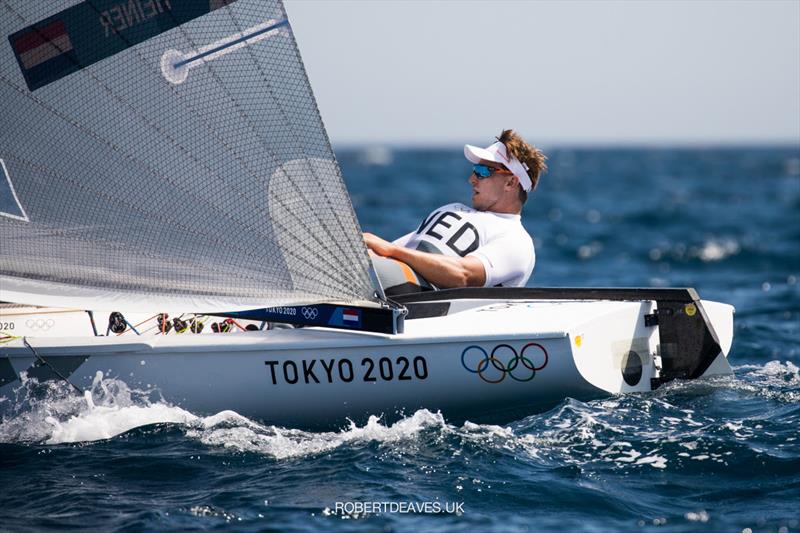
(714, 455)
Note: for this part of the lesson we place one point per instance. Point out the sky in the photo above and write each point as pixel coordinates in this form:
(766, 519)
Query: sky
(675, 72)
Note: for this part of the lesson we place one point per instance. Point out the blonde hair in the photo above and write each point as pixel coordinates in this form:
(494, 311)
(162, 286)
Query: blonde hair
(527, 154)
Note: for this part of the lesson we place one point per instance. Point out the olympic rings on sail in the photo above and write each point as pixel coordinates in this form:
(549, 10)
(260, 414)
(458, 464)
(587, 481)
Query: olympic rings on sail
(491, 368)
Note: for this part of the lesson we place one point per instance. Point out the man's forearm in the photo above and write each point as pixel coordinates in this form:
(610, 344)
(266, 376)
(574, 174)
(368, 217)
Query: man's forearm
(441, 270)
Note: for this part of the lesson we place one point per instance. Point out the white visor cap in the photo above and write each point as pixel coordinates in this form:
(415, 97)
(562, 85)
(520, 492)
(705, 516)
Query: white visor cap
(496, 153)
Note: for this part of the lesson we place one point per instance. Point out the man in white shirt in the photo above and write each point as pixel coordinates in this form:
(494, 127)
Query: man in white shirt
(482, 246)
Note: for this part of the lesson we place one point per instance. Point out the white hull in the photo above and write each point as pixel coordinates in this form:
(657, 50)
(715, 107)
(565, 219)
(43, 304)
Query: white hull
(317, 377)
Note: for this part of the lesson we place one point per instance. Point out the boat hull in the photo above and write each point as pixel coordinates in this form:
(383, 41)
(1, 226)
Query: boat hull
(324, 387)
(507, 359)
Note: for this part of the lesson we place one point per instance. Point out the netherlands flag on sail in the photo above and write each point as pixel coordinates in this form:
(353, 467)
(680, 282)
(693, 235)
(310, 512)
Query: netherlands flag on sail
(38, 46)
(44, 52)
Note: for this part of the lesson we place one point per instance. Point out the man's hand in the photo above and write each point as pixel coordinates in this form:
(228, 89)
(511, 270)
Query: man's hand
(379, 246)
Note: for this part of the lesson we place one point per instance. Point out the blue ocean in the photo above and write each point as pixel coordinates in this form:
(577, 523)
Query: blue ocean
(713, 455)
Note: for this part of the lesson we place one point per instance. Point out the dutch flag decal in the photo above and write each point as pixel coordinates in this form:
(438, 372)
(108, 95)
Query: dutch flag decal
(351, 315)
(45, 53)
(39, 46)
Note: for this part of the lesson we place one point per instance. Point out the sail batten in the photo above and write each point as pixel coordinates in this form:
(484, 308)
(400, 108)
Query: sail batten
(217, 187)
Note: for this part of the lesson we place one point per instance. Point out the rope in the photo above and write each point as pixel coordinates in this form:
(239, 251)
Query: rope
(56, 372)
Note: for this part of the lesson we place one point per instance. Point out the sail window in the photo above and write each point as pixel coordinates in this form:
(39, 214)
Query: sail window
(9, 203)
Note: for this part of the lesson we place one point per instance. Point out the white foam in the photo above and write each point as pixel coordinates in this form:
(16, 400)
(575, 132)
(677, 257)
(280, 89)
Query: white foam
(590, 250)
(53, 414)
(110, 408)
(282, 443)
(575, 432)
(701, 516)
(783, 370)
(628, 456)
(775, 380)
(718, 249)
(100, 423)
(653, 460)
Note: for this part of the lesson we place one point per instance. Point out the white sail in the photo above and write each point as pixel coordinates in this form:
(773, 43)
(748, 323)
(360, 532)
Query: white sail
(167, 153)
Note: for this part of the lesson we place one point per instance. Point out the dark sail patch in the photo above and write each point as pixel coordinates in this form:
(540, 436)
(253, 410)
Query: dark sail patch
(95, 30)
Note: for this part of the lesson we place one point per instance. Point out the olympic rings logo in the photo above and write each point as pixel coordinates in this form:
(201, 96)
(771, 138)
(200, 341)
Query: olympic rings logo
(40, 323)
(491, 368)
(310, 313)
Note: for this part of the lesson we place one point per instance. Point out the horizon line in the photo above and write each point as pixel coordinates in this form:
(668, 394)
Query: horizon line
(580, 143)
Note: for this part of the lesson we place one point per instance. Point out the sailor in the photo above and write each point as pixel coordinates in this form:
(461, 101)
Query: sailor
(482, 246)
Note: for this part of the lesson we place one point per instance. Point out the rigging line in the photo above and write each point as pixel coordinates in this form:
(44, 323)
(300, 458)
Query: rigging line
(91, 319)
(56, 372)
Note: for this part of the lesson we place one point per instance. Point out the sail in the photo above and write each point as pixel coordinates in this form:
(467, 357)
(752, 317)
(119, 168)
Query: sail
(167, 153)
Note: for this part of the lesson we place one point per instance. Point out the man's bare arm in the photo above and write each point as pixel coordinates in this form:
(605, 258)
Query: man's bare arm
(442, 271)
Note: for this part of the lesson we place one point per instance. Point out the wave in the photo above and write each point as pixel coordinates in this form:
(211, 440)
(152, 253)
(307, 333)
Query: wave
(711, 250)
(680, 425)
(52, 413)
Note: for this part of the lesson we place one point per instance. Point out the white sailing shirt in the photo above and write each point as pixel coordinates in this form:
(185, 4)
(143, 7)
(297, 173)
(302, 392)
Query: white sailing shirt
(498, 240)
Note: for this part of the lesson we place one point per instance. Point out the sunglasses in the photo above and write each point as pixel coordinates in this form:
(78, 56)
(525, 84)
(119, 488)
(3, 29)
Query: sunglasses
(484, 171)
